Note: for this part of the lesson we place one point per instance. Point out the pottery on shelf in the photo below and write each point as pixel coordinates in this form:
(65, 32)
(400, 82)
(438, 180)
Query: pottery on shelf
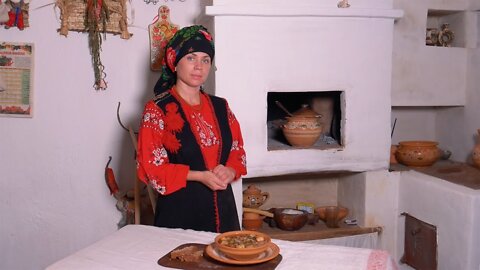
(252, 221)
(476, 151)
(331, 215)
(417, 153)
(253, 197)
(303, 128)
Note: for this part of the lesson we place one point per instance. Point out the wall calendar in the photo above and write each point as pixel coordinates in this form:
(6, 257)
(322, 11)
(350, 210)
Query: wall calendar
(16, 72)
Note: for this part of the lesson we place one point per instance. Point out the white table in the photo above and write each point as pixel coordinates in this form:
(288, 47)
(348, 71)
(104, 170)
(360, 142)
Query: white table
(139, 247)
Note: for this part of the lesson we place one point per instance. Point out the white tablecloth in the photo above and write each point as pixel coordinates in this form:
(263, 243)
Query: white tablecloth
(139, 247)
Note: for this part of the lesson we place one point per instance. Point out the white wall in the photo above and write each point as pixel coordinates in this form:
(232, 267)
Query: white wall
(435, 90)
(54, 198)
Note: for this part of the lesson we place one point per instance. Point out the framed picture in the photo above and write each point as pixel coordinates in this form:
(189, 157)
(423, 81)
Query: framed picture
(16, 72)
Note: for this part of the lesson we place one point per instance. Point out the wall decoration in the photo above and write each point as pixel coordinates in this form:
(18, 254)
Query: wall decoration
(343, 4)
(96, 17)
(431, 38)
(446, 36)
(443, 38)
(161, 31)
(17, 13)
(16, 71)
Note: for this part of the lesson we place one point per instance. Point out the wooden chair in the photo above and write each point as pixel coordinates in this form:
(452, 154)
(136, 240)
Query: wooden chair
(137, 185)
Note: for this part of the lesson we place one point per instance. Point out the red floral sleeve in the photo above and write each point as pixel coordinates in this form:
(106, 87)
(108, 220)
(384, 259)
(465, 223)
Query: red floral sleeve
(237, 158)
(153, 166)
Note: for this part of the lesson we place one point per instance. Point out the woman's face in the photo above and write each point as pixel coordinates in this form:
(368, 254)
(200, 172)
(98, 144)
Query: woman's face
(193, 69)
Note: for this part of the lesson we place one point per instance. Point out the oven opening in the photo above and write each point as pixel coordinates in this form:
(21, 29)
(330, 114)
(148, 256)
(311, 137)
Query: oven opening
(295, 133)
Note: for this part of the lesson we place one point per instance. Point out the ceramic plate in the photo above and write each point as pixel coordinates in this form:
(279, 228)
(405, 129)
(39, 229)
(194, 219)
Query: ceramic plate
(269, 254)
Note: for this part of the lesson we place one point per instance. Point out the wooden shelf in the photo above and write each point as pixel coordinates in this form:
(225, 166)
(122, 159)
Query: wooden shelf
(317, 231)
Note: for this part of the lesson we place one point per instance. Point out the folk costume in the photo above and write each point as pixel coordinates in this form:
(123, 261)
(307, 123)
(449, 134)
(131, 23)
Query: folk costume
(176, 137)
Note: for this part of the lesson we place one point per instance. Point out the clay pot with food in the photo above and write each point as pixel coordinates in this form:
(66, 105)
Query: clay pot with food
(303, 128)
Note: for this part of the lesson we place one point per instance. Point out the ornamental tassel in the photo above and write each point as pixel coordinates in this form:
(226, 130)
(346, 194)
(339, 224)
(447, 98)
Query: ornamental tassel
(96, 15)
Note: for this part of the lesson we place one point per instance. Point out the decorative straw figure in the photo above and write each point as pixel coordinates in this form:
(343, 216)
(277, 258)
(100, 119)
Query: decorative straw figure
(96, 18)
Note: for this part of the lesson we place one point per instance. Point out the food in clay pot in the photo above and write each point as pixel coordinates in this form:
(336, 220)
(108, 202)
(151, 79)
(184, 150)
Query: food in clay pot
(303, 128)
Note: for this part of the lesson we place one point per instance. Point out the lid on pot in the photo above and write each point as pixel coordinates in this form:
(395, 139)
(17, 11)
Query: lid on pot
(306, 111)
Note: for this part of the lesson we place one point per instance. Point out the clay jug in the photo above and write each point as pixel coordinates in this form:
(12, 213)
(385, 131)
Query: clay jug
(254, 197)
(476, 151)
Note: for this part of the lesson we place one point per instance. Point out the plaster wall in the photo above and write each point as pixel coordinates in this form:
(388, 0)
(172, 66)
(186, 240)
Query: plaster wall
(54, 197)
(333, 56)
(436, 89)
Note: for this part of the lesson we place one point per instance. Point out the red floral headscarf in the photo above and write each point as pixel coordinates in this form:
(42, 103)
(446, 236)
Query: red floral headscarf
(189, 39)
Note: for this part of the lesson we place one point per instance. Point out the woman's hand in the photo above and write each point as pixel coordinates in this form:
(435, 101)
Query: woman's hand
(212, 181)
(226, 174)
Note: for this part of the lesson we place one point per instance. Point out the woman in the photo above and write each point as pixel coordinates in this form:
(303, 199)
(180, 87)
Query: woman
(190, 146)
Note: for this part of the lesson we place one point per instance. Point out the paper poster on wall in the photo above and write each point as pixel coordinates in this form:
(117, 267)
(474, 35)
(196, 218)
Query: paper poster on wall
(16, 71)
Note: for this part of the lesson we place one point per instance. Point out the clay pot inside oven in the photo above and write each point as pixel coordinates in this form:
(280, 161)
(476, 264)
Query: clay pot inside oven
(303, 128)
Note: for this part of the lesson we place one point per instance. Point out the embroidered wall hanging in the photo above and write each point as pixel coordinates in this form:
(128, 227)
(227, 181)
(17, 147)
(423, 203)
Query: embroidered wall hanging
(96, 17)
(14, 13)
(161, 31)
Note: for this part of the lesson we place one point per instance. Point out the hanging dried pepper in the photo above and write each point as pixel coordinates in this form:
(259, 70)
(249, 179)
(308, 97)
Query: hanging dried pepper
(96, 18)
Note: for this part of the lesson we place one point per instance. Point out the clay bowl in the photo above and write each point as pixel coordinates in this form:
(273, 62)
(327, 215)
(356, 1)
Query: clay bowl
(290, 219)
(242, 245)
(331, 215)
(417, 153)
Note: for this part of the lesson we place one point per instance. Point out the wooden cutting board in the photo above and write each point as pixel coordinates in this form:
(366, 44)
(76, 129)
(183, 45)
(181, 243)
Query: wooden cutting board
(209, 263)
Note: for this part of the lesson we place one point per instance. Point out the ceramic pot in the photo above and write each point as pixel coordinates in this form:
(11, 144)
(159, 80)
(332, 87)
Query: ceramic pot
(303, 128)
(393, 152)
(417, 153)
(476, 152)
(254, 197)
(252, 221)
(331, 215)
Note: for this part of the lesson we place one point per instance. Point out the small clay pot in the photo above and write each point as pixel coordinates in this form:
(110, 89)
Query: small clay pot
(253, 197)
(253, 224)
(331, 215)
(417, 153)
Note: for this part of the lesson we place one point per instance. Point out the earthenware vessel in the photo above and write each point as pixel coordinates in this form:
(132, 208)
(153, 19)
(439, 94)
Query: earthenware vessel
(253, 197)
(303, 128)
(476, 151)
(417, 153)
(331, 215)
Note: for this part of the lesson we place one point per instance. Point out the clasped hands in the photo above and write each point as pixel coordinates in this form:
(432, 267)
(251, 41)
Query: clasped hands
(219, 177)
